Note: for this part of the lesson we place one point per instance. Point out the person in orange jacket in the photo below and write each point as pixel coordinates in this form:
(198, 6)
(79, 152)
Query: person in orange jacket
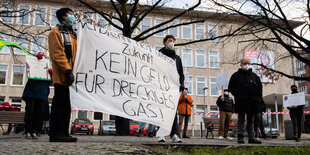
(184, 111)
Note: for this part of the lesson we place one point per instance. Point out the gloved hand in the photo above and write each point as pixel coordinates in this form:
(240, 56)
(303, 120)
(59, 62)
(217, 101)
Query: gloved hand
(39, 56)
(181, 89)
(50, 71)
(69, 77)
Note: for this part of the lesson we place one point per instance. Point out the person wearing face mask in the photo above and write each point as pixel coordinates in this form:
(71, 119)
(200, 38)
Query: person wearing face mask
(184, 111)
(296, 114)
(226, 105)
(169, 51)
(247, 90)
(62, 43)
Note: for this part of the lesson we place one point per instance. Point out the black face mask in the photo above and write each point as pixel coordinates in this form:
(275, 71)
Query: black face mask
(294, 90)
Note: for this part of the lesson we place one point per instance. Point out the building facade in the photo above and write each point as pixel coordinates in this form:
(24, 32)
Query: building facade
(202, 61)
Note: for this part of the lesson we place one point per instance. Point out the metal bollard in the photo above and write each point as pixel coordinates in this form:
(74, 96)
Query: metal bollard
(201, 135)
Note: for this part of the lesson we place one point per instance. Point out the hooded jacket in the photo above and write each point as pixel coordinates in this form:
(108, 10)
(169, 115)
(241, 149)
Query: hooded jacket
(247, 90)
(172, 54)
(185, 105)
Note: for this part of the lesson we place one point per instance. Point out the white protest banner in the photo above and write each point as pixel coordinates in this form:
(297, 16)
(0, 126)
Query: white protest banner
(294, 99)
(37, 69)
(122, 77)
(222, 81)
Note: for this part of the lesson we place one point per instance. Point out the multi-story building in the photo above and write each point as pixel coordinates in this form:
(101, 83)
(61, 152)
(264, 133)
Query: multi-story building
(202, 61)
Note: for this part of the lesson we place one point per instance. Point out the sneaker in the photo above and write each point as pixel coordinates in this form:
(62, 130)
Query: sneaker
(175, 139)
(185, 136)
(6, 133)
(221, 137)
(254, 141)
(28, 136)
(161, 139)
(34, 136)
(229, 138)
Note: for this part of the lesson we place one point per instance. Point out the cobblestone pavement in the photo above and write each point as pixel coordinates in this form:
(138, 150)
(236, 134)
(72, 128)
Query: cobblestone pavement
(16, 144)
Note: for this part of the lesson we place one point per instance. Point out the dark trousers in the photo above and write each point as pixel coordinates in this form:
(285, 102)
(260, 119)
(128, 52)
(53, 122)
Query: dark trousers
(249, 124)
(181, 118)
(33, 115)
(60, 112)
(10, 127)
(174, 129)
(296, 115)
(259, 123)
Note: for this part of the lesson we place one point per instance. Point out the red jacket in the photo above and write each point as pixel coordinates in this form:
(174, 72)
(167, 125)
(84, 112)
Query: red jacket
(185, 106)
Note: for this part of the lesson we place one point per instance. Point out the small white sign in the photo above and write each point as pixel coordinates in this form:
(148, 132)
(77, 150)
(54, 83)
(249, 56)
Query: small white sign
(222, 81)
(294, 99)
(37, 69)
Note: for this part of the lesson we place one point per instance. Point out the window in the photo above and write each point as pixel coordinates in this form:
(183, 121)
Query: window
(201, 58)
(159, 34)
(131, 23)
(146, 23)
(16, 102)
(18, 73)
(213, 87)
(37, 44)
(82, 115)
(212, 31)
(98, 116)
(24, 13)
(157, 48)
(214, 59)
(5, 49)
(118, 23)
(53, 19)
(187, 57)
(303, 89)
(200, 31)
(21, 40)
(40, 15)
(190, 87)
(7, 13)
(175, 30)
(177, 51)
(214, 110)
(3, 74)
(200, 84)
(199, 118)
(2, 98)
(187, 31)
(102, 22)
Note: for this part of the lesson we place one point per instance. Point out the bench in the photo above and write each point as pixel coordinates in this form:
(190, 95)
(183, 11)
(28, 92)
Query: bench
(14, 117)
(212, 124)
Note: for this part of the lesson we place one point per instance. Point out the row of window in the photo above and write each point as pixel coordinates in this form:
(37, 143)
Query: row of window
(201, 83)
(17, 74)
(41, 13)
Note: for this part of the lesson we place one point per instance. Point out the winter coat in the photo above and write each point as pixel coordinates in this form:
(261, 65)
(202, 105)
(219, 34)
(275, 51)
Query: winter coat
(171, 54)
(37, 89)
(227, 105)
(60, 63)
(185, 105)
(247, 90)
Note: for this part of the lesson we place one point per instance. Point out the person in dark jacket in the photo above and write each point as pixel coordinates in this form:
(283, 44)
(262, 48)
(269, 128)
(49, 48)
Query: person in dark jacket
(226, 105)
(169, 51)
(259, 122)
(296, 114)
(247, 90)
(36, 97)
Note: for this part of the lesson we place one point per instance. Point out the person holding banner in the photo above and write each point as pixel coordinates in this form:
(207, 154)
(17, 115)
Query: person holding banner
(36, 97)
(184, 111)
(169, 51)
(62, 42)
(247, 90)
(296, 114)
(226, 105)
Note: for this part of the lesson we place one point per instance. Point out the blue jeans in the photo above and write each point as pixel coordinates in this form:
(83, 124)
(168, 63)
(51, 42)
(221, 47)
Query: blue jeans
(174, 129)
(150, 129)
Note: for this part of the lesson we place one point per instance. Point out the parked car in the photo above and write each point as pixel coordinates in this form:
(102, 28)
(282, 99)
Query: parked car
(82, 126)
(107, 127)
(134, 128)
(274, 134)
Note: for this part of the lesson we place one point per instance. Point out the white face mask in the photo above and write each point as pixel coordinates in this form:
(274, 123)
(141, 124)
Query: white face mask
(246, 67)
(170, 45)
(226, 93)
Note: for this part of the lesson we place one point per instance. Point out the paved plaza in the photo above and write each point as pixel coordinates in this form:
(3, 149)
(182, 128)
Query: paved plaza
(17, 144)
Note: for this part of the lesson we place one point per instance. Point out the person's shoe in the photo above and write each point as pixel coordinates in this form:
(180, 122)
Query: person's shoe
(257, 138)
(221, 137)
(38, 134)
(6, 133)
(185, 136)
(28, 136)
(62, 139)
(240, 139)
(150, 134)
(175, 139)
(297, 139)
(254, 141)
(34, 136)
(229, 138)
(71, 139)
(161, 139)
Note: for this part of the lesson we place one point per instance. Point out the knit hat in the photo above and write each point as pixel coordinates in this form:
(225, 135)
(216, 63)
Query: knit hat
(293, 86)
(62, 12)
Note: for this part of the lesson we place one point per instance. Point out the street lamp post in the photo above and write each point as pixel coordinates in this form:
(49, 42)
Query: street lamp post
(204, 105)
